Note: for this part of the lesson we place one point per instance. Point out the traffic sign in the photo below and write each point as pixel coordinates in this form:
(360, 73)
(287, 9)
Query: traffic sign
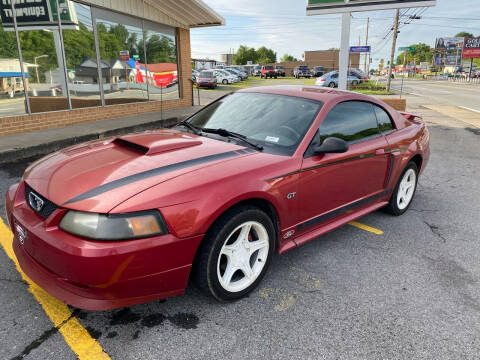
(359, 49)
(318, 7)
(407, 48)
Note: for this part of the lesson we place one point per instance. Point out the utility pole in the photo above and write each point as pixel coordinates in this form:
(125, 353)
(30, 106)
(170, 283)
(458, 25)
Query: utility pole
(394, 44)
(366, 44)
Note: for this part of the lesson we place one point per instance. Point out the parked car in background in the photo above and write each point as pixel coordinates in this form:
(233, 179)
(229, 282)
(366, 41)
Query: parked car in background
(257, 71)
(207, 78)
(224, 77)
(302, 71)
(268, 71)
(331, 79)
(318, 71)
(194, 76)
(359, 74)
(240, 74)
(234, 73)
(280, 70)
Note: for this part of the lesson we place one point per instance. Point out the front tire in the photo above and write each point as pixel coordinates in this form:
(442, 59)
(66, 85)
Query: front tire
(235, 254)
(224, 81)
(404, 191)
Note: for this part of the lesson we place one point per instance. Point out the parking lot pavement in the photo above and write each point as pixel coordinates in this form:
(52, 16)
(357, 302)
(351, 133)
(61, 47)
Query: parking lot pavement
(410, 293)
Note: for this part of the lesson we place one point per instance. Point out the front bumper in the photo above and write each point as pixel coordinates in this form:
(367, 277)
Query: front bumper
(97, 275)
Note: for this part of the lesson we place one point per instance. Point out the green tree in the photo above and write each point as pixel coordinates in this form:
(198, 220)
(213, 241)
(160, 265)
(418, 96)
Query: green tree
(8, 44)
(421, 53)
(287, 57)
(244, 54)
(265, 55)
(464, 34)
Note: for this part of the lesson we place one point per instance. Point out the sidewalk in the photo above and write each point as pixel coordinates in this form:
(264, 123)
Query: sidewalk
(37, 143)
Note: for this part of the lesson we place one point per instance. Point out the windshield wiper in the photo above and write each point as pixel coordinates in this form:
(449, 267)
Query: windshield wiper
(185, 123)
(226, 133)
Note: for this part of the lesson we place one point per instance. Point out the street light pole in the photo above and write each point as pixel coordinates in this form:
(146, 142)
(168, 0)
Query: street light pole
(366, 44)
(394, 44)
(36, 66)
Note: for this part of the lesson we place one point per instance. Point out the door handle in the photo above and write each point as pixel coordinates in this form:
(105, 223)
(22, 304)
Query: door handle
(380, 152)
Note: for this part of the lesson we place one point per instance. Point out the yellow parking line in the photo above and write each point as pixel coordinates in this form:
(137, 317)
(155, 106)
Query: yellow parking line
(366, 227)
(75, 335)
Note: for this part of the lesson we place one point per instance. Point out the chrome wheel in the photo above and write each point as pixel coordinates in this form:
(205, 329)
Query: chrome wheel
(406, 189)
(243, 256)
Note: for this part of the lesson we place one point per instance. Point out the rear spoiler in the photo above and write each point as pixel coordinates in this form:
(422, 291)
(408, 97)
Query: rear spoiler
(410, 116)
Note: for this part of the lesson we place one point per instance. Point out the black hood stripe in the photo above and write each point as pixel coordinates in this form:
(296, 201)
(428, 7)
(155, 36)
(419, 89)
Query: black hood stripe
(149, 173)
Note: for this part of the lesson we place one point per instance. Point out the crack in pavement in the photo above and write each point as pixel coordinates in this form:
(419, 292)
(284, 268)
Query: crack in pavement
(435, 230)
(45, 336)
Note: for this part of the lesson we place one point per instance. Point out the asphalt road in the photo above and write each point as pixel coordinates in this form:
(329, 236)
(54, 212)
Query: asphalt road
(411, 293)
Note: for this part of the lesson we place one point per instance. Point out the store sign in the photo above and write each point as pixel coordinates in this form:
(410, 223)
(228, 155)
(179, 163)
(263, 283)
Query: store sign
(359, 49)
(449, 43)
(37, 13)
(124, 55)
(319, 7)
(453, 59)
(471, 48)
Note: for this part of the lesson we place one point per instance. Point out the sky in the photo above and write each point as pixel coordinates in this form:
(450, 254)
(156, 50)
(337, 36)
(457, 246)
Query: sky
(283, 26)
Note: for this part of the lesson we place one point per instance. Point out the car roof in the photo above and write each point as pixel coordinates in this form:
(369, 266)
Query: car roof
(324, 95)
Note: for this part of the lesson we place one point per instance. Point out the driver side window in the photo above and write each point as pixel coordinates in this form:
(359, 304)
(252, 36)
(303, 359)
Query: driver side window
(352, 121)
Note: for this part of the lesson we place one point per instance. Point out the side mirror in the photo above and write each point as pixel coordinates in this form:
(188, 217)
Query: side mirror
(332, 145)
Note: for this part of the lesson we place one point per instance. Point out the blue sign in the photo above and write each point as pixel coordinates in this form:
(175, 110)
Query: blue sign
(359, 49)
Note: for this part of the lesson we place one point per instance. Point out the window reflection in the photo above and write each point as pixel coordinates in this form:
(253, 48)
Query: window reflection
(162, 71)
(12, 93)
(123, 76)
(81, 58)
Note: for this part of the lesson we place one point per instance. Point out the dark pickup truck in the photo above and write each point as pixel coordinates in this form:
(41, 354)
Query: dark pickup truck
(302, 71)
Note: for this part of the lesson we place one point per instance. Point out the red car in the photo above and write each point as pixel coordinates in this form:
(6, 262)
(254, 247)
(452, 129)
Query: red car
(268, 71)
(116, 222)
(206, 78)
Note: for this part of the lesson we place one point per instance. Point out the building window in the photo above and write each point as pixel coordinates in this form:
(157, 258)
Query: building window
(12, 92)
(81, 58)
(162, 62)
(120, 40)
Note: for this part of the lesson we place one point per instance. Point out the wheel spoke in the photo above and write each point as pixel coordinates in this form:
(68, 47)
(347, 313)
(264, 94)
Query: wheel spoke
(228, 274)
(243, 236)
(227, 250)
(247, 270)
(256, 245)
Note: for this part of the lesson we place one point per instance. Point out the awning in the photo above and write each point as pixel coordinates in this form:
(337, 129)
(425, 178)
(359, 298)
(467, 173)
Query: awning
(11, 74)
(190, 13)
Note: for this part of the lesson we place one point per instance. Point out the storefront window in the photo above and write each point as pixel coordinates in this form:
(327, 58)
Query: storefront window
(81, 57)
(12, 93)
(162, 70)
(120, 39)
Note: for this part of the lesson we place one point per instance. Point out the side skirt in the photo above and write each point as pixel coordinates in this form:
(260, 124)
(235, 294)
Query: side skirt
(332, 225)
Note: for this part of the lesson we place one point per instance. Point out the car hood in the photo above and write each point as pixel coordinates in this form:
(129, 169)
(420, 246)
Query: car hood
(98, 175)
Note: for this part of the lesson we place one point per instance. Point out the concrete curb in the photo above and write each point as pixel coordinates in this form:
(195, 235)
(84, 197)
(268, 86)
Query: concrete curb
(36, 151)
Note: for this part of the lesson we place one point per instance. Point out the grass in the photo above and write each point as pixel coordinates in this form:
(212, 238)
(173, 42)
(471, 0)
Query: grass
(369, 88)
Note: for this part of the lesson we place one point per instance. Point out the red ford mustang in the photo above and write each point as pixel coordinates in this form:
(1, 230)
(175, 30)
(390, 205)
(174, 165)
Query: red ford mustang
(121, 221)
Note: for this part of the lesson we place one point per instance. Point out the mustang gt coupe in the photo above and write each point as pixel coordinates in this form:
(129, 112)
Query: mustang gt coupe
(120, 221)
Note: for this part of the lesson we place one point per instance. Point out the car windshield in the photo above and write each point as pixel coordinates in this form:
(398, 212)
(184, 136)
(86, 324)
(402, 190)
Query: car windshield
(206, 74)
(279, 67)
(268, 67)
(277, 122)
(303, 67)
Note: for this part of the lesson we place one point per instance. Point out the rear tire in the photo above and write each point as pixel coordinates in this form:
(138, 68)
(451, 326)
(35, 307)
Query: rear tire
(331, 85)
(404, 191)
(235, 254)
(354, 82)
(224, 81)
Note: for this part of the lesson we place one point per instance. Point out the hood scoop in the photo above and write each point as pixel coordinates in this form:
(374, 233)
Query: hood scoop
(148, 145)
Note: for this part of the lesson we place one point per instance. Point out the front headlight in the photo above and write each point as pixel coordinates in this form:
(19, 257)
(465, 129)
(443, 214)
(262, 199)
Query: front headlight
(114, 226)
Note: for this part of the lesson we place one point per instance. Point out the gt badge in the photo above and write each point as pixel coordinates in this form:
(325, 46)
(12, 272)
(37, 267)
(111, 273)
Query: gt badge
(291, 195)
(288, 234)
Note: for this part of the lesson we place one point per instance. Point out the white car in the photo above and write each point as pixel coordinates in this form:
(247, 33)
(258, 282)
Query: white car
(225, 77)
(242, 75)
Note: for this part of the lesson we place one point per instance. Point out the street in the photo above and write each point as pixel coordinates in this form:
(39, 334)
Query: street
(403, 287)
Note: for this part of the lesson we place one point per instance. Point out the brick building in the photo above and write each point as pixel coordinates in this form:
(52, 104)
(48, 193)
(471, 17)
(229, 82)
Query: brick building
(135, 58)
(326, 58)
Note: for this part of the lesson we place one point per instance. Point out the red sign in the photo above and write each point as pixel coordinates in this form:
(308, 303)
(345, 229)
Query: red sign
(471, 48)
(124, 55)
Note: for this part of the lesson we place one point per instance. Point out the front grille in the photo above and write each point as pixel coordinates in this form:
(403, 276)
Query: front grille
(48, 207)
